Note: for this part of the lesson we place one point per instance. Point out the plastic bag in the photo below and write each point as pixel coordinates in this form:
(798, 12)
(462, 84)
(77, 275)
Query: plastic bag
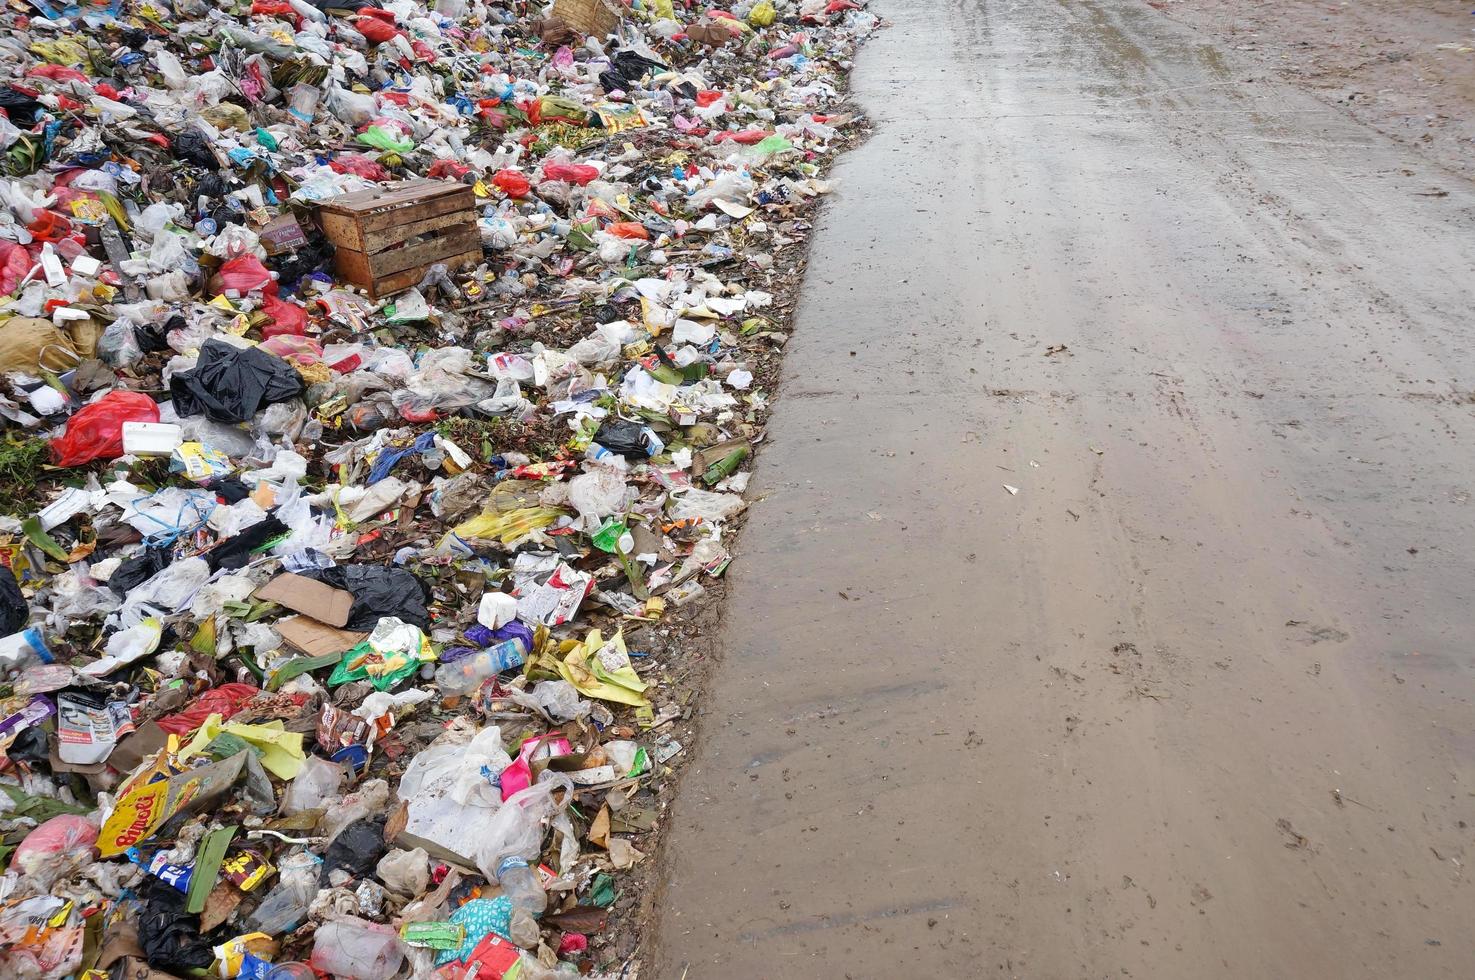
(378, 592)
(597, 494)
(405, 872)
(559, 700)
(166, 593)
(578, 174)
(53, 848)
(286, 318)
(118, 346)
(170, 937)
(354, 948)
(244, 274)
(14, 610)
(630, 439)
(511, 183)
(318, 782)
(230, 384)
(356, 850)
(369, 800)
(96, 432)
(516, 829)
(225, 700)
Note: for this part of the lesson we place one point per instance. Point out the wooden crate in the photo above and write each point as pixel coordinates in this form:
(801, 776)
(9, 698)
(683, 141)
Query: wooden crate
(596, 17)
(386, 237)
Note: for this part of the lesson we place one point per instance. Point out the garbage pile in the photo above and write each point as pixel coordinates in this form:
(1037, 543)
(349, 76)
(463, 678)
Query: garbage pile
(378, 385)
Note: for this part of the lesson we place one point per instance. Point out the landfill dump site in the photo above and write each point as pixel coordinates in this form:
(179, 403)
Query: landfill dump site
(779, 489)
(381, 385)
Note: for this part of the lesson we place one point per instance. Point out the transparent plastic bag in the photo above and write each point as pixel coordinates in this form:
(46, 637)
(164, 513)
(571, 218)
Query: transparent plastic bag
(559, 700)
(118, 346)
(405, 872)
(317, 784)
(516, 830)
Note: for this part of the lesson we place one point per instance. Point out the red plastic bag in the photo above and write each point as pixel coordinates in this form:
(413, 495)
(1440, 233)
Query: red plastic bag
(746, 137)
(374, 30)
(245, 273)
(286, 318)
(96, 432)
(225, 700)
(51, 842)
(707, 96)
(49, 227)
(273, 8)
(574, 173)
(447, 170)
(511, 183)
(629, 229)
(15, 262)
(59, 73)
(360, 166)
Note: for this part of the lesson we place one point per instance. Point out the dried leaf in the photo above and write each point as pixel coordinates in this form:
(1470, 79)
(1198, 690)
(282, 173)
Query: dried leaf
(599, 830)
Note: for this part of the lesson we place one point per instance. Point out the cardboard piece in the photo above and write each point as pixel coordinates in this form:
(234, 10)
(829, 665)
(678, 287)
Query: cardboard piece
(142, 744)
(315, 638)
(301, 594)
(143, 809)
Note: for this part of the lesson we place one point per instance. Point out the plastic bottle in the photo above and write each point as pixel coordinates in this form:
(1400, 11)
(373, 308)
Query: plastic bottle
(466, 675)
(358, 950)
(290, 971)
(519, 883)
(286, 906)
(21, 650)
(514, 838)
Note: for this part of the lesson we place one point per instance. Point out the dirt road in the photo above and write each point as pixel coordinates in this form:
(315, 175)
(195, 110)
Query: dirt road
(1197, 700)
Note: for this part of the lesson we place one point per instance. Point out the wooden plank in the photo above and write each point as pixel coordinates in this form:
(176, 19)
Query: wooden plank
(342, 230)
(417, 210)
(424, 251)
(393, 195)
(353, 266)
(400, 281)
(378, 241)
(347, 230)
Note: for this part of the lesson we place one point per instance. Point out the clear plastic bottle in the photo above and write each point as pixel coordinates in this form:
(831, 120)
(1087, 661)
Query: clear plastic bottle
(467, 674)
(286, 906)
(519, 883)
(513, 839)
(290, 971)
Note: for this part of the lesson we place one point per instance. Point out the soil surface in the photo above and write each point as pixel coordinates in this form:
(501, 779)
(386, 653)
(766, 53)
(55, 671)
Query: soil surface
(1105, 606)
(1404, 67)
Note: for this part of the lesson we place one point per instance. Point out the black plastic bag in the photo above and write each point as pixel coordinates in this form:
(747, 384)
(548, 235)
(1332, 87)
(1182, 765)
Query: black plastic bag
(357, 849)
(139, 569)
(20, 107)
(626, 69)
(630, 439)
(170, 937)
(154, 337)
(190, 144)
(292, 267)
(230, 384)
(377, 591)
(235, 552)
(229, 488)
(14, 611)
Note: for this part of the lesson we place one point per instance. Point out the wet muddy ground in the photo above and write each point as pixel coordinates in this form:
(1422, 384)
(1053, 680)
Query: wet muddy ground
(1404, 67)
(1106, 607)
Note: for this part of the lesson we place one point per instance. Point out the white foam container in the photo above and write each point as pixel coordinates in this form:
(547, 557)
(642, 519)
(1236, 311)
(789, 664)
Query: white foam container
(151, 438)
